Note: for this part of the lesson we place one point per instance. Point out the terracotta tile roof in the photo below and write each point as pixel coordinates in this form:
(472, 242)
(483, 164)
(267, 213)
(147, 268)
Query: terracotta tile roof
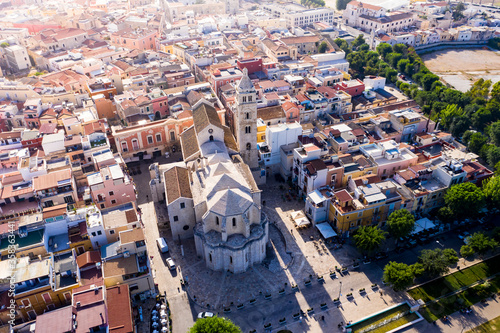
(59, 320)
(48, 128)
(370, 178)
(189, 143)
(131, 216)
(205, 115)
(120, 266)
(51, 180)
(119, 310)
(131, 236)
(11, 178)
(88, 258)
(177, 184)
(343, 196)
(271, 112)
(229, 139)
(288, 105)
(364, 5)
(300, 40)
(53, 211)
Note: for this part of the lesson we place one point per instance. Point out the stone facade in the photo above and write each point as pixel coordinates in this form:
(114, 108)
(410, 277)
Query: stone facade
(212, 195)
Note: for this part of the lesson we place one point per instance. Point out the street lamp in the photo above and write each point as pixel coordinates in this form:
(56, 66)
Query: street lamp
(442, 245)
(340, 289)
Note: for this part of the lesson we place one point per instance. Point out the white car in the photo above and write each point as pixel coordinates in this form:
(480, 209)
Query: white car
(205, 315)
(170, 264)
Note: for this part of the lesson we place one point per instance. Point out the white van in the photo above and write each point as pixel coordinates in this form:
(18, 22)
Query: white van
(162, 245)
(170, 264)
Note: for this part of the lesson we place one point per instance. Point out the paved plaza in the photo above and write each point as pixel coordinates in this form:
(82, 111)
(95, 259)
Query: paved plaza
(293, 257)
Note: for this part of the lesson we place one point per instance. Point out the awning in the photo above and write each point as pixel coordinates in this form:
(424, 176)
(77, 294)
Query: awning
(423, 224)
(300, 218)
(326, 230)
(131, 159)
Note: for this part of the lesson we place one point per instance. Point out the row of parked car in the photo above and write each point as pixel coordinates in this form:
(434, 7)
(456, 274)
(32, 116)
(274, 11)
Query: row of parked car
(163, 247)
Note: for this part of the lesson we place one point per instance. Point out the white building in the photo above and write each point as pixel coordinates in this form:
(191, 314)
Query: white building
(277, 136)
(299, 16)
(17, 58)
(370, 18)
(213, 196)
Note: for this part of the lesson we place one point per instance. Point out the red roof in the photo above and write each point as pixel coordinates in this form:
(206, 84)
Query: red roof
(343, 196)
(119, 311)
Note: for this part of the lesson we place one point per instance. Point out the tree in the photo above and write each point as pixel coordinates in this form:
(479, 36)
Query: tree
(465, 199)
(481, 243)
(401, 275)
(451, 255)
(449, 114)
(384, 49)
(369, 238)
(402, 64)
(400, 48)
(322, 47)
(466, 251)
(445, 214)
(458, 11)
(491, 189)
(401, 223)
(214, 325)
(436, 262)
(493, 155)
(342, 4)
(428, 80)
(4, 45)
(476, 142)
(360, 40)
(495, 132)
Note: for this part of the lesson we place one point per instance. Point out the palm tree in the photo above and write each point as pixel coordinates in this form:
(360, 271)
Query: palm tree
(369, 238)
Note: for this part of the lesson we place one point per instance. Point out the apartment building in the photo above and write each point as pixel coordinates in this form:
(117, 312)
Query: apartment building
(369, 204)
(135, 39)
(111, 187)
(17, 58)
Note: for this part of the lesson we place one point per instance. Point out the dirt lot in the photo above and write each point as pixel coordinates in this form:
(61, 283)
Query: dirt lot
(460, 68)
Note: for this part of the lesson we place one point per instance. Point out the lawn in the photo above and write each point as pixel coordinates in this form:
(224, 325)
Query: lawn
(489, 326)
(457, 280)
(396, 323)
(451, 304)
(377, 319)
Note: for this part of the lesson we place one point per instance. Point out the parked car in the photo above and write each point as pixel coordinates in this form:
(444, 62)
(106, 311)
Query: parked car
(463, 235)
(381, 255)
(162, 245)
(202, 315)
(170, 263)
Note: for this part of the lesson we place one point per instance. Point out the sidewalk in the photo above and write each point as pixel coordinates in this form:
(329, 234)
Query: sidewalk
(460, 322)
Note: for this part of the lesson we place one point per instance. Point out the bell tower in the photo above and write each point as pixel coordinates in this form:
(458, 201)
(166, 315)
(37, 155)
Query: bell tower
(245, 113)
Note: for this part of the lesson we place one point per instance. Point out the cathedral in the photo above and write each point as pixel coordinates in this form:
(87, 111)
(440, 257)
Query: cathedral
(212, 194)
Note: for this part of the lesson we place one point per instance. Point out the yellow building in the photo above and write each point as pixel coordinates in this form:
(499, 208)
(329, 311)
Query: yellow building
(42, 285)
(261, 131)
(371, 206)
(356, 165)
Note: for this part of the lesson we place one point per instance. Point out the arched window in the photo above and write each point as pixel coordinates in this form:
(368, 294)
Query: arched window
(217, 220)
(234, 221)
(248, 115)
(249, 146)
(211, 138)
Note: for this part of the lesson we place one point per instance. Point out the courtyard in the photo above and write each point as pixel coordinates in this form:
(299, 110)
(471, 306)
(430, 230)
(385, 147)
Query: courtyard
(461, 68)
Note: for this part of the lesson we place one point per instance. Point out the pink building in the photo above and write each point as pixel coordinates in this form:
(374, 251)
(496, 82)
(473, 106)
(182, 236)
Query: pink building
(111, 187)
(135, 39)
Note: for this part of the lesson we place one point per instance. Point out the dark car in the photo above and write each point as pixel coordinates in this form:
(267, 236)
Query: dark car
(380, 256)
(400, 250)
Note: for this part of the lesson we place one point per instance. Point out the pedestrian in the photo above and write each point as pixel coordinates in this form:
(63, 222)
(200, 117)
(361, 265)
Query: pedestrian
(323, 318)
(147, 197)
